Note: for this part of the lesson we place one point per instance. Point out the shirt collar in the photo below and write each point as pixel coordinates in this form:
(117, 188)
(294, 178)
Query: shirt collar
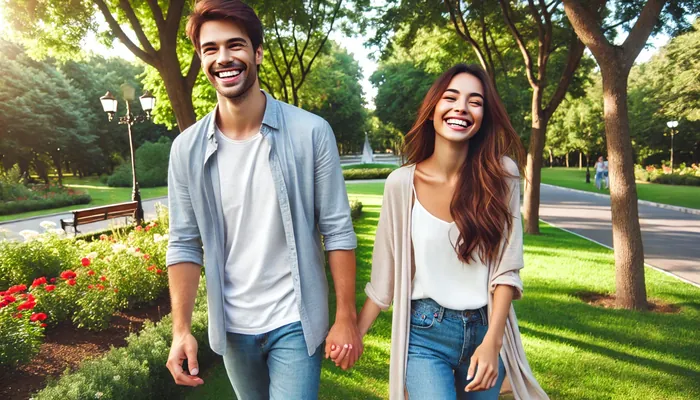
(270, 117)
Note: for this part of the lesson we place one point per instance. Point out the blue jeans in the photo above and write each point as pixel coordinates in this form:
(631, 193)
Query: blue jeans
(440, 346)
(598, 178)
(274, 365)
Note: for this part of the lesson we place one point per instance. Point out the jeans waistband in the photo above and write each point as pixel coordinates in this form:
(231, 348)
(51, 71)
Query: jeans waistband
(430, 306)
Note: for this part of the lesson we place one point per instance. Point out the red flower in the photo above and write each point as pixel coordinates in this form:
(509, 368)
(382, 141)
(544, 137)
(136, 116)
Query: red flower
(148, 228)
(3, 304)
(146, 257)
(159, 271)
(138, 250)
(104, 237)
(16, 289)
(27, 305)
(52, 280)
(138, 228)
(50, 288)
(103, 278)
(68, 274)
(100, 287)
(44, 325)
(18, 315)
(3, 293)
(89, 286)
(9, 298)
(39, 281)
(85, 261)
(91, 272)
(71, 282)
(37, 317)
(151, 268)
(116, 290)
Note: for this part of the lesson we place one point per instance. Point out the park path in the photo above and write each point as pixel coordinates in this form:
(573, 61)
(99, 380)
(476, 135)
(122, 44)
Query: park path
(14, 227)
(671, 238)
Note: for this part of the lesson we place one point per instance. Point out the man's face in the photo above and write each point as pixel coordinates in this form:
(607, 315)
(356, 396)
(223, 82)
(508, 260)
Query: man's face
(228, 58)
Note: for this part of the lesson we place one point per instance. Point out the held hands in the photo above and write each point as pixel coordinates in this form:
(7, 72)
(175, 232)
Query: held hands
(184, 348)
(485, 363)
(344, 344)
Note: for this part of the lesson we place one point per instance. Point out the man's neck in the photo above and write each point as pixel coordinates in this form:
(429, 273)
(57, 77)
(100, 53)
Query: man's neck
(240, 118)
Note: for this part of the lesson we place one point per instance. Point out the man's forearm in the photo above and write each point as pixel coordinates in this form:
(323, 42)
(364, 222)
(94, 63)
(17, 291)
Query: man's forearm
(183, 279)
(342, 263)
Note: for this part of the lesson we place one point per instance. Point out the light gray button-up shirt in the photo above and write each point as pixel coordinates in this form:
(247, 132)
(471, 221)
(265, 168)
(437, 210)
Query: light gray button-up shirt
(311, 191)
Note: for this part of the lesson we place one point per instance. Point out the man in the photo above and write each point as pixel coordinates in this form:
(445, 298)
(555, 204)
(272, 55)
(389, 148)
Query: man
(256, 183)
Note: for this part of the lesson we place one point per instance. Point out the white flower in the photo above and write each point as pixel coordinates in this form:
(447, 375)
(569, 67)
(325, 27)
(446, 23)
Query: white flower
(118, 247)
(92, 255)
(166, 237)
(157, 237)
(47, 225)
(99, 395)
(132, 252)
(29, 234)
(117, 377)
(59, 232)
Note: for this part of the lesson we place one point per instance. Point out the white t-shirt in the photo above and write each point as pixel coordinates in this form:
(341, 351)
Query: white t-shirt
(258, 289)
(440, 274)
(600, 166)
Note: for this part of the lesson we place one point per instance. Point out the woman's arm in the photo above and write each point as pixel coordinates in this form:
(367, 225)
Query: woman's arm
(370, 312)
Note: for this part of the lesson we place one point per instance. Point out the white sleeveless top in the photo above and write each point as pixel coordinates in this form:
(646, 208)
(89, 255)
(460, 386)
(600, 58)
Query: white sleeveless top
(440, 274)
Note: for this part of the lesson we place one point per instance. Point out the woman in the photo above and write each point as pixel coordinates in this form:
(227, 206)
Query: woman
(448, 249)
(600, 170)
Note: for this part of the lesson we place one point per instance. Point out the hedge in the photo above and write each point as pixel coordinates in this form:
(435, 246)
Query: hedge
(16, 207)
(370, 173)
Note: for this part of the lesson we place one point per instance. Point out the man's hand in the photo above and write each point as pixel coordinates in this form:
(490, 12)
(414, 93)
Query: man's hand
(184, 348)
(343, 343)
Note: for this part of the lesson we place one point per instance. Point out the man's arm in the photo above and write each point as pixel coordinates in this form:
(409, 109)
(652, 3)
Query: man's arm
(344, 330)
(183, 279)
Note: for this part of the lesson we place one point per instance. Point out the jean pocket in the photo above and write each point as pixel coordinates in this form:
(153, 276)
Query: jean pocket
(422, 321)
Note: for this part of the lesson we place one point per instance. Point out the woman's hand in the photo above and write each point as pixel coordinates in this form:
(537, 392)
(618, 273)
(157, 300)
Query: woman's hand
(485, 363)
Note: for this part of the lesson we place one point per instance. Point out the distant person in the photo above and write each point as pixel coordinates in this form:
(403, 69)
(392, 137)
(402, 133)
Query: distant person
(600, 171)
(605, 174)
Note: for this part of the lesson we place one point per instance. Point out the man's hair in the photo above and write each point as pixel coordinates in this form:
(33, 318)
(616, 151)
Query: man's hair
(231, 10)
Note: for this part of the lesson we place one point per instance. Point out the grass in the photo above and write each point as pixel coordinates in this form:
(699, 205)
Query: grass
(683, 196)
(101, 195)
(576, 350)
(370, 166)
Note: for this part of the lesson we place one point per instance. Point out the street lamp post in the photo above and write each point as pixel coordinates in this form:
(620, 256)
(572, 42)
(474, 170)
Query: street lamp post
(109, 104)
(672, 124)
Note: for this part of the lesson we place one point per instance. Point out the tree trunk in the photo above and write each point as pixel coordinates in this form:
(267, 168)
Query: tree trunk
(627, 237)
(179, 93)
(580, 160)
(567, 159)
(533, 175)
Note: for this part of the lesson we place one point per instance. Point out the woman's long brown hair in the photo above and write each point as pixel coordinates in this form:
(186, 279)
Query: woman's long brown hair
(480, 202)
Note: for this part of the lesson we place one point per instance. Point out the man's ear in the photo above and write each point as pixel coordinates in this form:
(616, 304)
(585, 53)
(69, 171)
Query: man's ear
(259, 55)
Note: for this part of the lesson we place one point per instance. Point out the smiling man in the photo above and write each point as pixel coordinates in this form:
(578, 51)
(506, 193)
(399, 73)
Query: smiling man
(253, 186)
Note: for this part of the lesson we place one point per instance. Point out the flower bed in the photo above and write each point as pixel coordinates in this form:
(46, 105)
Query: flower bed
(17, 198)
(57, 279)
(684, 175)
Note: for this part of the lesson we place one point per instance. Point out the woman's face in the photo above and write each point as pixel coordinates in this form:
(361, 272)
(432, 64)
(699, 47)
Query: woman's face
(600, 159)
(458, 114)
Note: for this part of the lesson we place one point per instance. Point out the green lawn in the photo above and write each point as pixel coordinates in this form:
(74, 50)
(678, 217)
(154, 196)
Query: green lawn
(368, 166)
(684, 196)
(576, 350)
(101, 195)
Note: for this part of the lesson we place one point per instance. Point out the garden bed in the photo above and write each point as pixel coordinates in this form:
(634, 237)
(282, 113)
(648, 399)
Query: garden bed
(65, 347)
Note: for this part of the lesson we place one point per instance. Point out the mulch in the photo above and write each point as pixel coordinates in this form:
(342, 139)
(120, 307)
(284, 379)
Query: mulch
(608, 301)
(66, 347)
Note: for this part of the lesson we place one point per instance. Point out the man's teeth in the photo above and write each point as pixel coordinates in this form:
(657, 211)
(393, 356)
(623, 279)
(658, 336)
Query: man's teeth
(453, 121)
(228, 74)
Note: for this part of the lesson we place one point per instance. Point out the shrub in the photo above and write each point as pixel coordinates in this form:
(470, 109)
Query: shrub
(355, 209)
(16, 207)
(677, 179)
(136, 371)
(151, 166)
(370, 173)
(21, 332)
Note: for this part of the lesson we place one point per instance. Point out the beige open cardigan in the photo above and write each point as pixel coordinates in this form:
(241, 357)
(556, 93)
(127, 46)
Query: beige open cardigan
(393, 269)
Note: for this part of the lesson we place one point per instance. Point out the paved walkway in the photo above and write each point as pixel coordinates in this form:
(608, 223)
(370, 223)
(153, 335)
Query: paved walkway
(671, 238)
(149, 210)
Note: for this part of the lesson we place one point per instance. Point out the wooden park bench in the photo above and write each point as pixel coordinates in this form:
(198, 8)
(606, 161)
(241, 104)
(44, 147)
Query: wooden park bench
(96, 214)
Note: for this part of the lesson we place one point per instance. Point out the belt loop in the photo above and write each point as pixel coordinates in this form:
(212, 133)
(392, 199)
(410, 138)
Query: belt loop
(441, 313)
(484, 315)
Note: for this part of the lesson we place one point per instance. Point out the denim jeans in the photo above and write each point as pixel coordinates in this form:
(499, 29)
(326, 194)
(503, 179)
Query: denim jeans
(440, 346)
(598, 179)
(274, 365)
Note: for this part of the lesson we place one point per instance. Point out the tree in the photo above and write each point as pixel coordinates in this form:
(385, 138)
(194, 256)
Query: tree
(615, 62)
(333, 91)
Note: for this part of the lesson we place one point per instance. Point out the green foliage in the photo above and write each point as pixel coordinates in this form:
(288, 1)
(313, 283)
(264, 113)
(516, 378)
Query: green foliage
(151, 166)
(355, 209)
(44, 255)
(369, 173)
(20, 338)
